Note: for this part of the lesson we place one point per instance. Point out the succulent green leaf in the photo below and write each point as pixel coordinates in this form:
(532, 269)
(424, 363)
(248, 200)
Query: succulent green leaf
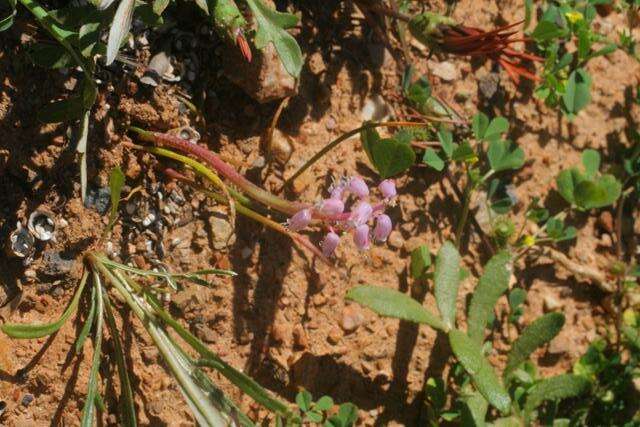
(446, 282)
(538, 333)
(484, 378)
(493, 283)
(391, 303)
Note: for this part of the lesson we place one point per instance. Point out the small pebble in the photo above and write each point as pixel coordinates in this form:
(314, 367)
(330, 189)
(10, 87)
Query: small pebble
(27, 399)
(352, 318)
(395, 239)
(605, 221)
(551, 303)
(334, 336)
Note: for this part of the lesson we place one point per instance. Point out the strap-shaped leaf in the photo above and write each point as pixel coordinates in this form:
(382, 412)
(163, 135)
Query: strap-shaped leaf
(119, 28)
(447, 280)
(474, 410)
(484, 377)
(25, 331)
(493, 283)
(540, 332)
(556, 388)
(391, 303)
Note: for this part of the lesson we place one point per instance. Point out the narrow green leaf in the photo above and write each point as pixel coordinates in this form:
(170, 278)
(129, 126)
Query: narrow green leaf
(484, 378)
(116, 181)
(556, 388)
(391, 303)
(88, 411)
(474, 410)
(271, 29)
(127, 405)
(159, 6)
(446, 282)
(538, 333)
(88, 323)
(493, 283)
(27, 331)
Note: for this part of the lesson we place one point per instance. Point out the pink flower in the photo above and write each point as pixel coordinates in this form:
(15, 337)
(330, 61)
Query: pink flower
(361, 213)
(331, 207)
(361, 237)
(337, 190)
(388, 189)
(358, 187)
(330, 243)
(383, 228)
(300, 220)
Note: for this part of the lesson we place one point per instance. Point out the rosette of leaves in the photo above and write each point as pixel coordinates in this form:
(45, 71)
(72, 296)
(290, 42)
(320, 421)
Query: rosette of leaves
(588, 188)
(479, 384)
(566, 83)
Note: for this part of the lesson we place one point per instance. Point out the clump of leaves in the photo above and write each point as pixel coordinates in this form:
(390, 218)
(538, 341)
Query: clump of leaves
(321, 412)
(566, 83)
(478, 384)
(588, 189)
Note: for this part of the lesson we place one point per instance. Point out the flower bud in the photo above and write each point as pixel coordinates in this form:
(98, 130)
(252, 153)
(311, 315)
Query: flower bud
(358, 187)
(361, 213)
(361, 237)
(329, 243)
(383, 228)
(300, 220)
(331, 207)
(388, 189)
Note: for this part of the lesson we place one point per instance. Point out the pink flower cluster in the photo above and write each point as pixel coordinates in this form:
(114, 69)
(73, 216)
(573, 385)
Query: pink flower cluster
(355, 193)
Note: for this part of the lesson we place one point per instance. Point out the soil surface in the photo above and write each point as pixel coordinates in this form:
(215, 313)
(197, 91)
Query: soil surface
(283, 319)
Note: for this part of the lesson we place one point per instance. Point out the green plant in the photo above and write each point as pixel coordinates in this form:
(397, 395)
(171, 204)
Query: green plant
(480, 383)
(566, 84)
(320, 411)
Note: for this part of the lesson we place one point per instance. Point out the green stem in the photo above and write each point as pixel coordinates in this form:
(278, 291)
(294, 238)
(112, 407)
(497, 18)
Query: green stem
(330, 146)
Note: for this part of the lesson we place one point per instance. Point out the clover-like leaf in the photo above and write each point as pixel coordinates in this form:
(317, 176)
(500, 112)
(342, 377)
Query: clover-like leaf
(389, 156)
(577, 93)
(272, 27)
(598, 193)
(503, 156)
(432, 159)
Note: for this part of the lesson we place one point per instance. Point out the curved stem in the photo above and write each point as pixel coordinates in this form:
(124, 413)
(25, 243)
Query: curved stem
(330, 146)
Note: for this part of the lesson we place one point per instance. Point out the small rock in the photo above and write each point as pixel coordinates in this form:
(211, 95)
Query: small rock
(331, 123)
(222, 234)
(55, 265)
(551, 303)
(319, 300)
(606, 240)
(334, 336)
(27, 399)
(98, 199)
(206, 334)
(559, 345)
(605, 221)
(264, 78)
(280, 332)
(375, 108)
(445, 70)
(488, 84)
(352, 318)
(281, 147)
(396, 240)
(259, 162)
(300, 339)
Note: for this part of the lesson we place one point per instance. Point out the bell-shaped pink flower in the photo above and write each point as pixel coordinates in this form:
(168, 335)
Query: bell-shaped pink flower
(300, 220)
(361, 213)
(361, 237)
(358, 187)
(388, 189)
(329, 243)
(383, 228)
(337, 189)
(331, 207)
